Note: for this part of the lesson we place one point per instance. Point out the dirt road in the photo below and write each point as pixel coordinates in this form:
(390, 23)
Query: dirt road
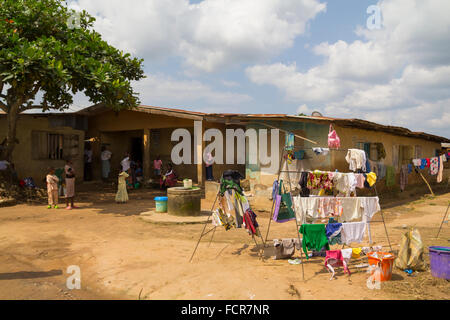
(123, 257)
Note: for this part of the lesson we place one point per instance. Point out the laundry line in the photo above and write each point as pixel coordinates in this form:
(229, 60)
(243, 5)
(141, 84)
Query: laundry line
(327, 148)
(290, 171)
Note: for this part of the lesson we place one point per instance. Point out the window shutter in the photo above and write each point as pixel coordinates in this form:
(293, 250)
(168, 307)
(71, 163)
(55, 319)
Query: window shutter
(395, 156)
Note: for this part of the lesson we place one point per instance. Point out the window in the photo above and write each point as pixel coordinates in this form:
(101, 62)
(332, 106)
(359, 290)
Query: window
(155, 137)
(417, 152)
(53, 146)
(402, 154)
(375, 151)
(406, 154)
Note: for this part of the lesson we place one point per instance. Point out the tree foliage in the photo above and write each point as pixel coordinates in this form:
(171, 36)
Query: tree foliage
(44, 49)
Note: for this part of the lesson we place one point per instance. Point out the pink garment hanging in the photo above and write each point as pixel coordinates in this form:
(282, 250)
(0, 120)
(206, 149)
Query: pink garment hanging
(333, 139)
(338, 259)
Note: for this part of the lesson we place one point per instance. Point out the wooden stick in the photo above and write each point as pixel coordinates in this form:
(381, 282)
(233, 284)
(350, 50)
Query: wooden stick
(429, 187)
(445, 216)
(274, 200)
(382, 217)
(204, 227)
(297, 231)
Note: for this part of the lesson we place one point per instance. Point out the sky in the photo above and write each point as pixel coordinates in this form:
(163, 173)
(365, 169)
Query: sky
(288, 56)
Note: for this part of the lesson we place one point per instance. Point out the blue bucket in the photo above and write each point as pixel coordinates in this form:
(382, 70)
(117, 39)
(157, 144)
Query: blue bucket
(161, 204)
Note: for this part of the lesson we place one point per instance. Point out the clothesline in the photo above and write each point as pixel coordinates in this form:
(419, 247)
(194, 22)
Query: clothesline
(290, 171)
(333, 149)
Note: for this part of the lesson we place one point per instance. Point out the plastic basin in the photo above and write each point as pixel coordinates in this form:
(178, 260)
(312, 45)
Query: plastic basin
(440, 262)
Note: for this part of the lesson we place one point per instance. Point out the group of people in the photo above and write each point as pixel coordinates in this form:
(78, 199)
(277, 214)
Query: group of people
(53, 186)
(169, 178)
(130, 176)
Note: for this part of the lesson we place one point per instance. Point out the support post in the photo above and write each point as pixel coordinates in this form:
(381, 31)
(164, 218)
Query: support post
(198, 151)
(204, 227)
(382, 217)
(445, 216)
(146, 165)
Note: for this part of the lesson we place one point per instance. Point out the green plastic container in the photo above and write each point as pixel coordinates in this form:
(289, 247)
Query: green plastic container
(161, 204)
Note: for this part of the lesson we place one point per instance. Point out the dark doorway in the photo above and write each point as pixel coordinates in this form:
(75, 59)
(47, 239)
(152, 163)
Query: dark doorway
(136, 149)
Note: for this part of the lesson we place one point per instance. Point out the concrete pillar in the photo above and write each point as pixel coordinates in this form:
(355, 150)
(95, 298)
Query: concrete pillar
(199, 146)
(146, 165)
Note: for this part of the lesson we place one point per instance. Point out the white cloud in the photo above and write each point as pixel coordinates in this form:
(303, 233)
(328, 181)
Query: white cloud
(230, 84)
(161, 90)
(207, 36)
(391, 75)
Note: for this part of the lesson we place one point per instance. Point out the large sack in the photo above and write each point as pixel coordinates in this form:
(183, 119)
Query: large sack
(411, 252)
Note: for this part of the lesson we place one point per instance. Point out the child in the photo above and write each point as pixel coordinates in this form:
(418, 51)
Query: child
(157, 165)
(52, 189)
(70, 184)
(122, 194)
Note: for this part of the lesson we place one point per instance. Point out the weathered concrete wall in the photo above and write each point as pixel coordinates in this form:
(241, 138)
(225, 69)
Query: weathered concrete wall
(261, 182)
(22, 157)
(350, 136)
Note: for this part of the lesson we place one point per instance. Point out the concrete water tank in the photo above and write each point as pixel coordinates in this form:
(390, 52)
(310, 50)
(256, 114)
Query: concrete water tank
(184, 201)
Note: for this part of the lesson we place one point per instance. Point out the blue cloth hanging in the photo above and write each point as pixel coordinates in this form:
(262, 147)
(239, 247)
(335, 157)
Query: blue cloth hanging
(423, 164)
(290, 141)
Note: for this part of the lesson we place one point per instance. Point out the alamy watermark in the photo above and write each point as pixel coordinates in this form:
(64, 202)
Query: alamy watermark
(374, 20)
(257, 154)
(74, 280)
(74, 21)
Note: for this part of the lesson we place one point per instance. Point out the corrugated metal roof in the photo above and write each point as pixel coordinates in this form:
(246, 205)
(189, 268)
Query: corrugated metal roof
(233, 117)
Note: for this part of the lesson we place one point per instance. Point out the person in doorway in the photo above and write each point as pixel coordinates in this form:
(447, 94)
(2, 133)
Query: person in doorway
(133, 167)
(70, 185)
(126, 167)
(125, 163)
(157, 165)
(169, 179)
(139, 174)
(106, 163)
(88, 163)
(52, 188)
(209, 167)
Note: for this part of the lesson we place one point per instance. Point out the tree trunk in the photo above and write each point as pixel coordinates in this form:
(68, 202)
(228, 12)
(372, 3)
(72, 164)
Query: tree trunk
(11, 140)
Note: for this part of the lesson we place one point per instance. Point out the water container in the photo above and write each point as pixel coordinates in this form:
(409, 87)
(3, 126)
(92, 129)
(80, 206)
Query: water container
(161, 204)
(385, 261)
(187, 183)
(440, 262)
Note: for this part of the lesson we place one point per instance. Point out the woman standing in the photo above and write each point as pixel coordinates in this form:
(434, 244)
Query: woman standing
(208, 165)
(70, 184)
(122, 194)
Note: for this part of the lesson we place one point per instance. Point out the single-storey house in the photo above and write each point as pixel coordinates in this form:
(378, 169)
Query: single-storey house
(46, 139)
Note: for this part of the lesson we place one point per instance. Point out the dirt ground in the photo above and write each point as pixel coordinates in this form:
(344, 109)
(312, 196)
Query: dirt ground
(123, 257)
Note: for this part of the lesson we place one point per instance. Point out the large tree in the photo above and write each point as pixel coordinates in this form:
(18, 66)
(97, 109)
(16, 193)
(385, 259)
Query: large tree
(52, 52)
